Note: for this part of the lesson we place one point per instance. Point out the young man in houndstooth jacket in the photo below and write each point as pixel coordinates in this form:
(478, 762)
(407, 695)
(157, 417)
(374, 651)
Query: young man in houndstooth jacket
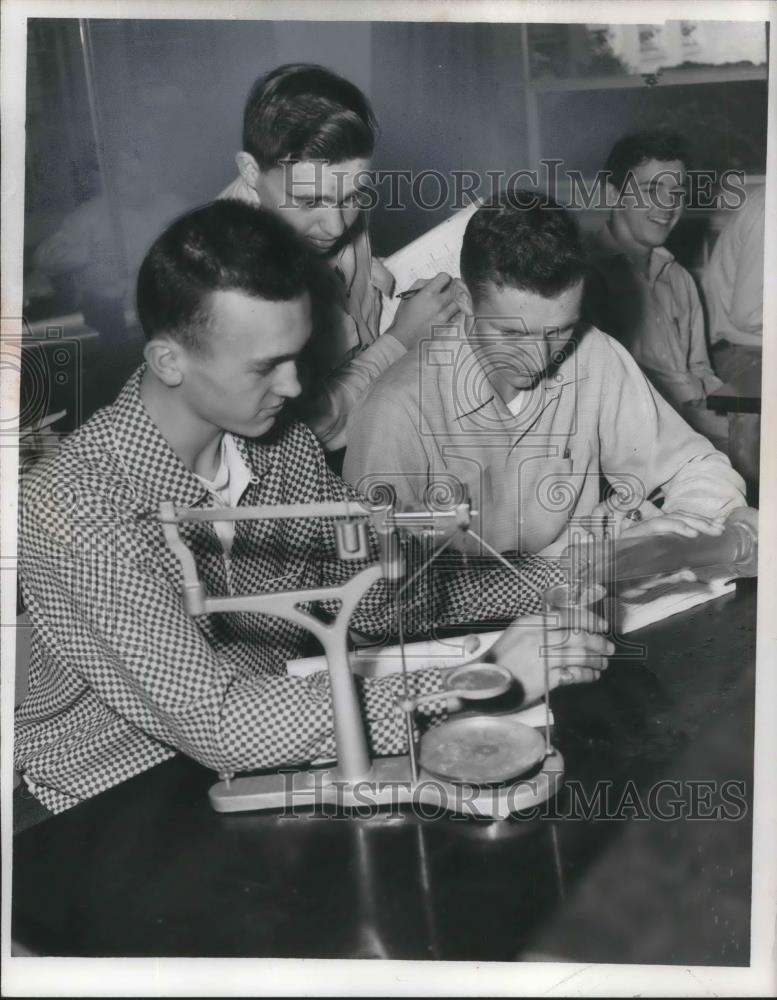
(121, 676)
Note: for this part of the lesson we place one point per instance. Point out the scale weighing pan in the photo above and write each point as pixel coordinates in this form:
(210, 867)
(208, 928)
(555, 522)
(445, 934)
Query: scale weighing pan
(481, 750)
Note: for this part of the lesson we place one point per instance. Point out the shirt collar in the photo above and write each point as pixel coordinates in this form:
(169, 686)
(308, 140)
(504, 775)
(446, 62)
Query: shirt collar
(154, 471)
(605, 245)
(238, 472)
(221, 480)
(660, 259)
(468, 372)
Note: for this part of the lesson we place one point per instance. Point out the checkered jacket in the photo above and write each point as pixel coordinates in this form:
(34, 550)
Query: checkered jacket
(121, 677)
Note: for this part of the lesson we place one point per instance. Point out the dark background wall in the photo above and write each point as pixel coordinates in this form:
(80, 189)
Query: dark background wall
(449, 97)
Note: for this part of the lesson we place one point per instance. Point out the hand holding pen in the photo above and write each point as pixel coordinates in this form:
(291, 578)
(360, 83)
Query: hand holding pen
(424, 305)
(416, 287)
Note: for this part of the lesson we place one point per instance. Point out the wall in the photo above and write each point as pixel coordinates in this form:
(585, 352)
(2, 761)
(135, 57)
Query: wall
(183, 85)
(448, 97)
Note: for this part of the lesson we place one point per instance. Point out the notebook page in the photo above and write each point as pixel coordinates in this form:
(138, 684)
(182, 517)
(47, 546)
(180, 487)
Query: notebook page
(436, 250)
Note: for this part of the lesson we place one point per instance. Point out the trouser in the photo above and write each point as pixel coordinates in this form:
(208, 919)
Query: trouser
(730, 360)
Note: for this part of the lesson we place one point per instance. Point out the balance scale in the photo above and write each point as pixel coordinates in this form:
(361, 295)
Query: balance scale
(485, 766)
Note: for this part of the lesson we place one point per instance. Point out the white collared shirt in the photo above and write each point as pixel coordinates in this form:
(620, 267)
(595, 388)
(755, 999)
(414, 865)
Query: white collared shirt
(435, 421)
(227, 487)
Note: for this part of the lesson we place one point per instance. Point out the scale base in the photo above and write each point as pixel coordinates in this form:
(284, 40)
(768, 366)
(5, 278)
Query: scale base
(387, 784)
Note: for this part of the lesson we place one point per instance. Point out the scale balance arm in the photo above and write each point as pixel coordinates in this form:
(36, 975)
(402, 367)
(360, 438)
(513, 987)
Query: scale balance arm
(355, 704)
(459, 589)
(352, 541)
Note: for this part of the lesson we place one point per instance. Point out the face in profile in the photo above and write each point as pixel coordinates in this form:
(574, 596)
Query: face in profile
(516, 332)
(651, 204)
(320, 200)
(247, 370)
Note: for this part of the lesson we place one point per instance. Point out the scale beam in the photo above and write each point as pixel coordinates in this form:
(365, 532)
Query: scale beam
(359, 781)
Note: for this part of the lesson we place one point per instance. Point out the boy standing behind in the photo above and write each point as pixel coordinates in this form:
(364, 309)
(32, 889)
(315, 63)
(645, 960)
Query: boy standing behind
(308, 135)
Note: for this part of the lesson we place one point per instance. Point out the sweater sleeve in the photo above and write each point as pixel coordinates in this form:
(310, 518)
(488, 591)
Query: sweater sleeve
(645, 439)
(335, 397)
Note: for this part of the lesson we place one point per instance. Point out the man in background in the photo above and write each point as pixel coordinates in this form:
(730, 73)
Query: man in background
(638, 292)
(733, 285)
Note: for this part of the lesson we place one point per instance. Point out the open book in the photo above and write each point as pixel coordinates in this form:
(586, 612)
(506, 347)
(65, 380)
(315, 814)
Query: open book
(436, 250)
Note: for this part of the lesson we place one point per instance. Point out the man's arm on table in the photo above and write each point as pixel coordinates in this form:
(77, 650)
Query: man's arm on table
(642, 436)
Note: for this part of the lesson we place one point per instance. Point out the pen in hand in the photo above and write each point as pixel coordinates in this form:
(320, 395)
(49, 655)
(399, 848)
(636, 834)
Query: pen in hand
(410, 292)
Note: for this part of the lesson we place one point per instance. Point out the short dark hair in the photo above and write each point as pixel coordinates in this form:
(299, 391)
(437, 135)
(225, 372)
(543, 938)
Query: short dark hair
(522, 240)
(227, 245)
(304, 112)
(639, 147)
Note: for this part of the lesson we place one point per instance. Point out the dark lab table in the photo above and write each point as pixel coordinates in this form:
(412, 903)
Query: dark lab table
(147, 869)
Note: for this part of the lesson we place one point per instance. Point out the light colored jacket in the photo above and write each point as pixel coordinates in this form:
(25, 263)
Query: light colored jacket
(432, 424)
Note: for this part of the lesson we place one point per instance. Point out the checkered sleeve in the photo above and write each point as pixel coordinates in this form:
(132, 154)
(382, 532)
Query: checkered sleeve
(454, 589)
(108, 614)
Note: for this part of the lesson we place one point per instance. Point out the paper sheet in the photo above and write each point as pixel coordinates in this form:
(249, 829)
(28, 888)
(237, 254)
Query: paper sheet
(436, 250)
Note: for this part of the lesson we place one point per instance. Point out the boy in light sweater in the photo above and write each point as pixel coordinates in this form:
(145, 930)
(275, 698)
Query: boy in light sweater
(526, 408)
(308, 136)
